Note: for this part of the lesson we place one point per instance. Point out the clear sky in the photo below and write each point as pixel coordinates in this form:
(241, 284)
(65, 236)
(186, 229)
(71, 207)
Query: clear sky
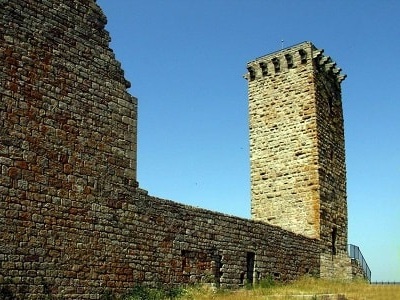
(185, 60)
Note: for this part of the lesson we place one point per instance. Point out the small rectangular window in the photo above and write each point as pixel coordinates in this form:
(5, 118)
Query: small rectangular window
(334, 236)
(250, 259)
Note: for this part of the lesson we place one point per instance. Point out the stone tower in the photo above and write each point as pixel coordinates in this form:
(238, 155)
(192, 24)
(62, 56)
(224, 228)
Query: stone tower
(298, 176)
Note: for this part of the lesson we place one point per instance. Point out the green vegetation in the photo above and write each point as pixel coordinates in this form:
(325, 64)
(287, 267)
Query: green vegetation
(267, 289)
(306, 288)
(140, 292)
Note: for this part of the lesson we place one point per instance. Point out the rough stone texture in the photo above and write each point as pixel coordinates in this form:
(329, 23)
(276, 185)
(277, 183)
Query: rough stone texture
(148, 240)
(298, 176)
(336, 266)
(73, 222)
(357, 270)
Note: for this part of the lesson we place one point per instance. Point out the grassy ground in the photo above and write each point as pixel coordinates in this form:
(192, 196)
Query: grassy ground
(307, 288)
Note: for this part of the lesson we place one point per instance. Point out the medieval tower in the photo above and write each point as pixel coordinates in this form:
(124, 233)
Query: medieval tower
(298, 176)
(74, 221)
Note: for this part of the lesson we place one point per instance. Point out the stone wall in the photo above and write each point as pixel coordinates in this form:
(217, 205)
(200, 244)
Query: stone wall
(73, 221)
(357, 271)
(142, 239)
(66, 116)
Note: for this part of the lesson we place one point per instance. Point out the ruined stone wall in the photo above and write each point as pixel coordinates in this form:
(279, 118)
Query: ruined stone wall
(72, 221)
(66, 117)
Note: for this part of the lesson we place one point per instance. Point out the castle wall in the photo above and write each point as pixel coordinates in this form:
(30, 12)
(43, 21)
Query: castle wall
(142, 239)
(73, 222)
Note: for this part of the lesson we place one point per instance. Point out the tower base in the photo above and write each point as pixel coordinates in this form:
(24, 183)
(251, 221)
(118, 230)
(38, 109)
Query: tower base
(336, 266)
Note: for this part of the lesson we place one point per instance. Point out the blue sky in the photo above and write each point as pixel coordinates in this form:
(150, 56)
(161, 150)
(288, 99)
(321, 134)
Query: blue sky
(185, 60)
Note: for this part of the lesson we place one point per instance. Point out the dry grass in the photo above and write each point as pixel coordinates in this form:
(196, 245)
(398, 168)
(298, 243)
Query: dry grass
(307, 288)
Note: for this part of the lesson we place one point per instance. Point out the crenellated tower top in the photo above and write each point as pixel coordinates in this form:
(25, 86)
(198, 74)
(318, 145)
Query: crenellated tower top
(289, 58)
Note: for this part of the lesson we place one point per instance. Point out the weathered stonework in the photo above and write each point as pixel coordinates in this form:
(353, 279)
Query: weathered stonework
(298, 176)
(73, 221)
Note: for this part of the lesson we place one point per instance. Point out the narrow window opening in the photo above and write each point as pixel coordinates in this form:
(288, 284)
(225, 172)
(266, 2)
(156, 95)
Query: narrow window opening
(277, 65)
(184, 259)
(264, 68)
(334, 236)
(250, 267)
(217, 271)
(330, 103)
(303, 56)
(242, 278)
(252, 73)
(289, 60)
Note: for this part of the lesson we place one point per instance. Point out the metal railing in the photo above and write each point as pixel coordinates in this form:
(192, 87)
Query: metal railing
(355, 253)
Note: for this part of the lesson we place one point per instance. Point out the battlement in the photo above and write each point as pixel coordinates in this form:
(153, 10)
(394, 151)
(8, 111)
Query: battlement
(75, 224)
(290, 58)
